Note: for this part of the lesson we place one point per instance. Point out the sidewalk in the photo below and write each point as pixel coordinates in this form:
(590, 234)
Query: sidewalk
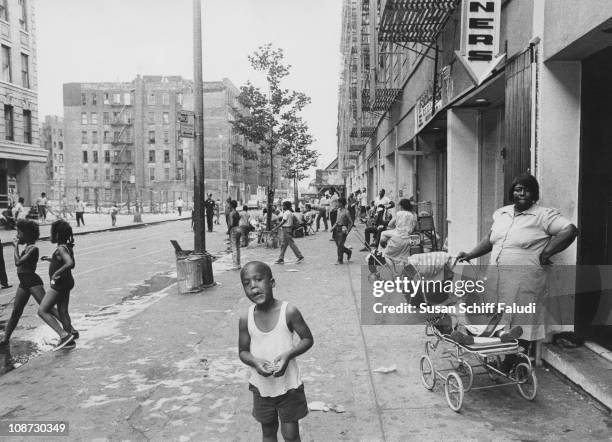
(100, 222)
(171, 371)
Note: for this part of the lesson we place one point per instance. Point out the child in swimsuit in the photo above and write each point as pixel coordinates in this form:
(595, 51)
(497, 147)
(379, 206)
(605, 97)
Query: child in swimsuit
(29, 282)
(61, 264)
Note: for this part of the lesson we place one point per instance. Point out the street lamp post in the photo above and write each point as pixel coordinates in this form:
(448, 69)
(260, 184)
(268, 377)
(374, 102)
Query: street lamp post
(199, 230)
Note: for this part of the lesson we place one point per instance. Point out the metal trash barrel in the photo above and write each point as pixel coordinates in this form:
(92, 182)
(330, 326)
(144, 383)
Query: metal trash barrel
(193, 271)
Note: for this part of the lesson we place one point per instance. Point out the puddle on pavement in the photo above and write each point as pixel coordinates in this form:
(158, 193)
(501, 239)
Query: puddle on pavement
(104, 322)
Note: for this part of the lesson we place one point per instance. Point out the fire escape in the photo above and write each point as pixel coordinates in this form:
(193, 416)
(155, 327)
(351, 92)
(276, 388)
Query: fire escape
(123, 139)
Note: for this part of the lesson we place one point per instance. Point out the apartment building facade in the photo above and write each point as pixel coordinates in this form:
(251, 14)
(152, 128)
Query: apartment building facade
(22, 159)
(123, 141)
(52, 140)
(447, 101)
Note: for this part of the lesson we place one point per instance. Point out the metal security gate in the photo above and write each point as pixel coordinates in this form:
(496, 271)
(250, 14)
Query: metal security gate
(518, 117)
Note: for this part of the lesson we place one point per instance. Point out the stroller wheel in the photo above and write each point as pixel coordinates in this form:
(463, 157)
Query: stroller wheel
(465, 371)
(453, 389)
(527, 381)
(428, 373)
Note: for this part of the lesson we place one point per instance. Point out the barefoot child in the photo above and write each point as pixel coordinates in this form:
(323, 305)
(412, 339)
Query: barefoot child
(61, 264)
(266, 335)
(29, 282)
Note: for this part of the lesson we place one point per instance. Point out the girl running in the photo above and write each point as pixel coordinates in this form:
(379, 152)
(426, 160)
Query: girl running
(29, 282)
(61, 264)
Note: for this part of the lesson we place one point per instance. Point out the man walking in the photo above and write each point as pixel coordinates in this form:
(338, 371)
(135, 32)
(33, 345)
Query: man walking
(79, 210)
(233, 229)
(3, 278)
(286, 225)
(179, 205)
(209, 206)
(41, 206)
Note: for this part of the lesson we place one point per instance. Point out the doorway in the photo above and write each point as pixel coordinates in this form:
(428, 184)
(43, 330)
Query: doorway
(595, 196)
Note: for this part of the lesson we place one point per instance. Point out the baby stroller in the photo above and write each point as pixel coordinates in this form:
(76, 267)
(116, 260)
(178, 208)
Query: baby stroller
(457, 362)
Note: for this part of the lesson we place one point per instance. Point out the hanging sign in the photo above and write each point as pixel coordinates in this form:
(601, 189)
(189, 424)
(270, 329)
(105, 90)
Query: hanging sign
(480, 24)
(186, 120)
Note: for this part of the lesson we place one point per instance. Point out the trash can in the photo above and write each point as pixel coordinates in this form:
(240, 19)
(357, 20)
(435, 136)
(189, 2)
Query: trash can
(193, 271)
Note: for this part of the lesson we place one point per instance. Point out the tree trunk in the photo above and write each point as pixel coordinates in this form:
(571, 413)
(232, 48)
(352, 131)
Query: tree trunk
(270, 192)
(295, 192)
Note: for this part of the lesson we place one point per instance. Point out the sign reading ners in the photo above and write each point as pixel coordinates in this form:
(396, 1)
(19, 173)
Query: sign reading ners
(480, 37)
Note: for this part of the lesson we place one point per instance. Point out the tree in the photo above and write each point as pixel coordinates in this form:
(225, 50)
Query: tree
(297, 157)
(272, 115)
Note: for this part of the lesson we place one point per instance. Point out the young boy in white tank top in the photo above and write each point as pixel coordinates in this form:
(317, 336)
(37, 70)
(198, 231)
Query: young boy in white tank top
(266, 333)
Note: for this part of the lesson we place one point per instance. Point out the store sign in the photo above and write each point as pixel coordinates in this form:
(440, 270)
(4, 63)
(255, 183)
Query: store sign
(480, 38)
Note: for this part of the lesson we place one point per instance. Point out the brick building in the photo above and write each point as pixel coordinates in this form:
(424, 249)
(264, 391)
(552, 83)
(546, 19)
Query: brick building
(122, 141)
(22, 160)
(52, 140)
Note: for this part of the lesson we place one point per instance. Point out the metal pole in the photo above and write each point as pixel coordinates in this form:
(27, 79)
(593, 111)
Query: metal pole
(199, 233)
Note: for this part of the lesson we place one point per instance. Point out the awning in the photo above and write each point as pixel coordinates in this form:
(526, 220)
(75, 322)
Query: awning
(413, 21)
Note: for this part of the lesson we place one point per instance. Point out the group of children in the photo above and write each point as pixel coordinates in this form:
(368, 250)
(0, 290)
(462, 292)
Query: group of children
(53, 303)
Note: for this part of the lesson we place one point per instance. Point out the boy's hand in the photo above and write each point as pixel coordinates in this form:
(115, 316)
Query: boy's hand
(45, 258)
(281, 363)
(264, 368)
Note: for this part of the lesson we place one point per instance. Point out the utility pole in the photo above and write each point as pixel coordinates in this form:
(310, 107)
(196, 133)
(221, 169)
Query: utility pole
(199, 229)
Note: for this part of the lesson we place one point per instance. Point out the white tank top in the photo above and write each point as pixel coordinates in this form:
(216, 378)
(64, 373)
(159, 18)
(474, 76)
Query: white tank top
(269, 345)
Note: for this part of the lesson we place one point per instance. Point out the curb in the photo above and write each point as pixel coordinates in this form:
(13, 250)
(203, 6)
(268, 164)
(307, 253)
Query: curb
(112, 229)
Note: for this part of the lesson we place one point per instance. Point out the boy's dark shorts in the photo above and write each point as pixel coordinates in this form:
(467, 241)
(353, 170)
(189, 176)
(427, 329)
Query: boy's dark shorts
(289, 407)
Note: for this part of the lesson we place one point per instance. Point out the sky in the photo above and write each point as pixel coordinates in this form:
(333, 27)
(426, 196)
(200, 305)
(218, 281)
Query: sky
(114, 40)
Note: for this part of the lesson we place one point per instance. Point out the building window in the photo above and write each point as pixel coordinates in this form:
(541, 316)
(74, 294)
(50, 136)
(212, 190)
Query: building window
(107, 192)
(6, 63)
(61, 157)
(151, 99)
(127, 98)
(180, 174)
(106, 99)
(95, 156)
(179, 154)
(151, 137)
(166, 117)
(25, 71)
(85, 193)
(107, 156)
(107, 173)
(83, 117)
(116, 155)
(23, 17)
(151, 117)
(94, 137)
(116, 117)
(84, 156)
(116, 174)
(3, 10)
(60, 132)
(8, 123)
(94, 118)
(167, 174)
(166, 98)
(94, 99)
(106, 137)
(151, 156)
(166, 156)
(60, 145)
(152, 174)
(116, 136)
(105, 118)
(179, 98)
(84, 137)
(166, 138)
(116, 98)
(27, 126)
(127, 117)
(128, 155)
(95, 177)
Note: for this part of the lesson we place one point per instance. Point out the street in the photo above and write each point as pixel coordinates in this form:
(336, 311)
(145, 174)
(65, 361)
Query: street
(152, 364)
